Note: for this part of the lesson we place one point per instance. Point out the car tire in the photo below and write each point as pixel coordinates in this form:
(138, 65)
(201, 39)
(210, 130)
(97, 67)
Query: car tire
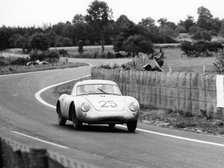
(111, 125)
(76, 123)
(61, 119)
(132, 126)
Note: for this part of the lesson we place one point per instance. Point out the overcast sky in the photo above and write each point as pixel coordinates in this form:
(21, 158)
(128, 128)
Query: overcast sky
(25, 13)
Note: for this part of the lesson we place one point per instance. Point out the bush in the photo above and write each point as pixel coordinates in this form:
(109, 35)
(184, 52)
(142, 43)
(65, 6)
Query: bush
(49, 56)
(219, 62)
(200, 48)
(52, 56)
(37, 55)
(108, 66)
(63, 52)
(20, 61)
(97, 54)
(202, 35)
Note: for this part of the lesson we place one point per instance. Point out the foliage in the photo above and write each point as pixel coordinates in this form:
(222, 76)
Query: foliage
(63, 52)
(97, 54)
(39, 41)
(109, 66)
(49, 56)
(78, 18)
(194, 29)
(204, 18)
(135, 44)
(202, 35)
(5, 34)
(80, 49)
(98, 16)
(63, 41)
(219, 62)
(200, 48)
(20, 61)
(189, 22)
(98, 27)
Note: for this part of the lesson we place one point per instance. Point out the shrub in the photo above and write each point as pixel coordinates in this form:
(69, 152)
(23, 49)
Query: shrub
(108, 66)
(37, 55)
(219, 62)
(63, 52)
(20, 61)
(80, 44)
(202, 35)
(50, 56)
(200, 48)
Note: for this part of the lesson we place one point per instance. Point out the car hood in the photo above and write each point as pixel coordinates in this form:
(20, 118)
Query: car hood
(106, 102)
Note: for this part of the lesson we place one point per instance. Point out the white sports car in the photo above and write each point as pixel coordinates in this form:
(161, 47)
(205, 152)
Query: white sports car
(97, 102)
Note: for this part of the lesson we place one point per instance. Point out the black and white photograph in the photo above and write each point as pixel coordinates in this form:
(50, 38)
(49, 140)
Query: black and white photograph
(112, 84)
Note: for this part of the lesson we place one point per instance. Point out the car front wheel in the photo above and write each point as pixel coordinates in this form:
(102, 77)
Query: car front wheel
(76, 123)
(132, 126)
(61, 119)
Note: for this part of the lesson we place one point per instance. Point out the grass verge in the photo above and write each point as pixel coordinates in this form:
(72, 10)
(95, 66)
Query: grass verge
(178, 120)
(20, 69)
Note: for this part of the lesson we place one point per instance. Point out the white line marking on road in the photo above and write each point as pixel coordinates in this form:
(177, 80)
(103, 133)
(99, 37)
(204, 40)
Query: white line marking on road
(177, 137)
(37, 95)
(40, 140)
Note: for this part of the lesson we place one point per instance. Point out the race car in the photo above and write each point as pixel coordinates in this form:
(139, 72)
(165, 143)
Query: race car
(97, 102)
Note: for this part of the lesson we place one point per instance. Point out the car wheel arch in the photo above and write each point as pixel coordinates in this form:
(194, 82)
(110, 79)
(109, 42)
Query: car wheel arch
(58, 106)
(71, 108)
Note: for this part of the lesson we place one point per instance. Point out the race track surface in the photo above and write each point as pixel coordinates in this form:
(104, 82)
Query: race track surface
(150, 146)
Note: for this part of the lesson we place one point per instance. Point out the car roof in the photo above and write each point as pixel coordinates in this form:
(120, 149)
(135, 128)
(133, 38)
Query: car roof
(95, 81)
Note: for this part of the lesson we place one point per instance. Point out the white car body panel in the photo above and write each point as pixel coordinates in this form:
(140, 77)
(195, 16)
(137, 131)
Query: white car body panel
(104, 108)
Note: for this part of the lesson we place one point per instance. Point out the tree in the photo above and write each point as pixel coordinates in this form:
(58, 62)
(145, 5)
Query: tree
(98, 16)
(5, 34)
(202, 35)
(52, 38)
(137, 43)
(222, 29)
(194, 29)
(78, 18)
(39, 41)
(189, 22)
(123, 21)
(63, 41)
(204, 18)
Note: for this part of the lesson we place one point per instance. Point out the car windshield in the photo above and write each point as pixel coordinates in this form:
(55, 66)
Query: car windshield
(98, 89)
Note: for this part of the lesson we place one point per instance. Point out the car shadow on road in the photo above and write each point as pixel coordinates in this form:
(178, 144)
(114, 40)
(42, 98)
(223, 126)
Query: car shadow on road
(95, 128)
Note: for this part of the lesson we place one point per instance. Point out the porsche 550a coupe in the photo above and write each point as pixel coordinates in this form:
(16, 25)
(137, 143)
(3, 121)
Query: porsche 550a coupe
(97, 102)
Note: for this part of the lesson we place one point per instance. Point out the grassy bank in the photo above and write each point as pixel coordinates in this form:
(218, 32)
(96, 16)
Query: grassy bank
(20, 68)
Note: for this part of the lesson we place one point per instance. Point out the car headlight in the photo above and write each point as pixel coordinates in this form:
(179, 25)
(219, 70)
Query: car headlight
(134, 107)
(85, 107)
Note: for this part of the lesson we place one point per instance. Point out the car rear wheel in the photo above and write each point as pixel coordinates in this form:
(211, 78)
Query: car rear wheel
(132, 126)
(76, 123)
(111, 125)
(61, 119)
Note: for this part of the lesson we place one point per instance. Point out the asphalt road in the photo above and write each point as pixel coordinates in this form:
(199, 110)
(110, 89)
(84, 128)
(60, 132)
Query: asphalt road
(150, 146)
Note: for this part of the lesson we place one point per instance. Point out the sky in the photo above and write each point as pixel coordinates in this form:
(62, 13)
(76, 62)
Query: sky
(26, 13)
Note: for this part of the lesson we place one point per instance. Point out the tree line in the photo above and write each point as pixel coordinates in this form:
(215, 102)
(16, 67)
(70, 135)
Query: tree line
(98, 27)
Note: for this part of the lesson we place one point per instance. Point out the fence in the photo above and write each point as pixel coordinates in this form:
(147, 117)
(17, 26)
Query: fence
(189, 93)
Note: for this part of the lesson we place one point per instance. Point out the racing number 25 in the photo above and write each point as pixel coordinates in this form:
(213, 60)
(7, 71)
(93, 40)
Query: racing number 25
(107, 104)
